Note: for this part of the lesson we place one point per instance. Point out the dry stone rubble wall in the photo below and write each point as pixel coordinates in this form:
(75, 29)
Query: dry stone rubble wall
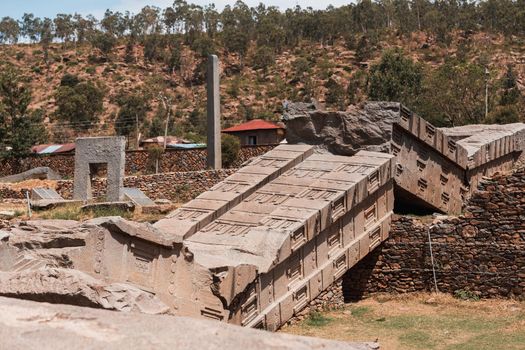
(137, 162)
(481, 252)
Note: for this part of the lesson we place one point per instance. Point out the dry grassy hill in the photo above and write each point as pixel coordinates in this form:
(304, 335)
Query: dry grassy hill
(245, 92)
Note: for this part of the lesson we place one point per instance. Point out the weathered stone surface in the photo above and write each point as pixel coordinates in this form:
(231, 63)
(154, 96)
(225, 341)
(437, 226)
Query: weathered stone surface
(296, 108)
(30, 325)
(210, 205)
(42, 173)
(282, 229)
(43, 234)
(345, 133)
(213, 115)
(93, 151)
(438, 168)
(69, 286)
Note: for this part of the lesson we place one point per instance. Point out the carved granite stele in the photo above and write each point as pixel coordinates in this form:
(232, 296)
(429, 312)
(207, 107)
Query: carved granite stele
(253, 250)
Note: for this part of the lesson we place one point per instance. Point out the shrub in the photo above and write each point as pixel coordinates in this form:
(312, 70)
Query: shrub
(230, 147)
(465, 295)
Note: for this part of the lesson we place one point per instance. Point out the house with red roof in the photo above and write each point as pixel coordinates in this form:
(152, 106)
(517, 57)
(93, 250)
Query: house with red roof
(257, 132)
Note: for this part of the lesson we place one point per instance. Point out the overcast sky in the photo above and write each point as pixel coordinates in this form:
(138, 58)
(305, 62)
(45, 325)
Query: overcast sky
(49, 8)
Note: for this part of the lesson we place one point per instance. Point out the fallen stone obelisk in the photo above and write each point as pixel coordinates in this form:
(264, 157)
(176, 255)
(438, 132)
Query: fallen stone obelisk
(30, 325)
(253, 250)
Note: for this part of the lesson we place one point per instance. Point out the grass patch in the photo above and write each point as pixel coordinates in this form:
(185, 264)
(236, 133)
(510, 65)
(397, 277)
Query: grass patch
(74, 212)
(360, 311)
(103, 211)
(490, 341)
(317, 319)
(68, 212)
(410, 322)
(462, 294)
(417, 340)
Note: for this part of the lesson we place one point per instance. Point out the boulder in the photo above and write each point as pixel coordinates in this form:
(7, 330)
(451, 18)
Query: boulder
(68, 286)
(368, 127)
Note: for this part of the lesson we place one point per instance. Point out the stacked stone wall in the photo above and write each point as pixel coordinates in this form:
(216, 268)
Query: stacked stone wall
(481, 252)
(137, 162)
(178, 187)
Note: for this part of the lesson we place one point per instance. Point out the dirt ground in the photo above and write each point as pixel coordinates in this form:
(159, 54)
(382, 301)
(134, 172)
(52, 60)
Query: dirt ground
(422, 321)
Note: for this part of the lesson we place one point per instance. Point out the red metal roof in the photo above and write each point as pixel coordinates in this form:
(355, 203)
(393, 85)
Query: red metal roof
(255, 124)
(53, 148)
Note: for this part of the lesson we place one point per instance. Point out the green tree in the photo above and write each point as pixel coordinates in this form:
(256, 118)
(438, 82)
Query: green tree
(30, 27)
(356, 89)
(154, 45)
(395, 78)
(235, 41)
(510, 100)
(174, 59)
(64, 27)
(105, 42)
(9, 30)
(155, 127)
(511, 93)
(20, 127)
(79, 103)
(129, 56)
(363, 50)
(263, 58)
(133, 110)
(454, 94)
(335, 94)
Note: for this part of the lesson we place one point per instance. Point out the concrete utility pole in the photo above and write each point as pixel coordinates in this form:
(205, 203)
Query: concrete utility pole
(213, 114)
(487, 75)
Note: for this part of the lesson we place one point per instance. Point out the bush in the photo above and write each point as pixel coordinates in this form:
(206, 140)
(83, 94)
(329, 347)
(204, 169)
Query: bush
(263, 58)
(69, 80)
(154, 156)
(230, 147)
(465, 295)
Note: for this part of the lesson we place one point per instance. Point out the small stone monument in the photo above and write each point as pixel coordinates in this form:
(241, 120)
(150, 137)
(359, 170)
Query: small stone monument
(91, 152)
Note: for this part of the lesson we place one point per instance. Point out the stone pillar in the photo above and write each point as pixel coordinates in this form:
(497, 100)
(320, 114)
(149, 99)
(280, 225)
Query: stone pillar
(93, 151)
(214, 160)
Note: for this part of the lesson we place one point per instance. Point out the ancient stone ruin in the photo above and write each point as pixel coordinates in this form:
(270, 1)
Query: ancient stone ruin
(443, 166)
(258, 247)
(42, 173)
(93, 152)
(252, 251)
(437, 168)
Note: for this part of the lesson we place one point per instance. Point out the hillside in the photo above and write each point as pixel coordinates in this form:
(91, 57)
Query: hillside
(298, 74)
